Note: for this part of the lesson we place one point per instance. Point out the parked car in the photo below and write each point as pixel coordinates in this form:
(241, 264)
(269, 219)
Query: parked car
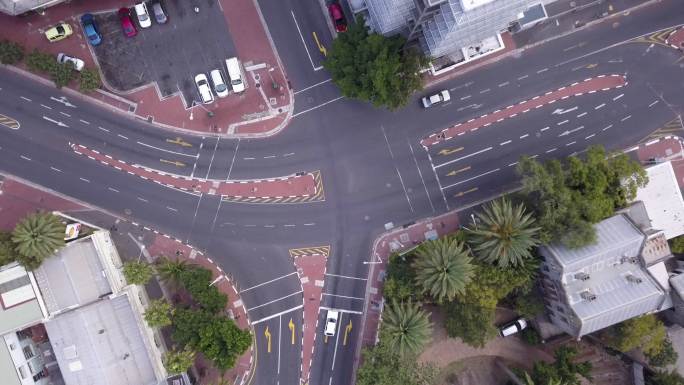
(204, 89)
(127, 23)
(337, 16)
(76, 62)
(220, 86)
(235, 74)
(331, 322)
(90, 29)
(58, 32)
(440, 97)
(143, 16)
(159, 14)
(512, 327)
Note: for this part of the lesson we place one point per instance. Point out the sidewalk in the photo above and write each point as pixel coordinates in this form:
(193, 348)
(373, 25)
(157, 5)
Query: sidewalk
(260, 111)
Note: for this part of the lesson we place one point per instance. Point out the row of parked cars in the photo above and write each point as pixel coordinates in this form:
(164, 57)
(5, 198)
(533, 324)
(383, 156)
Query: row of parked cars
(218, 80)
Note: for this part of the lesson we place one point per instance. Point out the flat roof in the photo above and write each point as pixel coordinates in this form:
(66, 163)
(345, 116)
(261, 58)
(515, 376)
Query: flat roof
(7, 368)
(19, 305)
(468, 5)
(663, 200)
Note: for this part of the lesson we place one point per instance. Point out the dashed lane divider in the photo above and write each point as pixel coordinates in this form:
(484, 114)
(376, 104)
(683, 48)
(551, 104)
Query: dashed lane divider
(298, 188)
(587, 86)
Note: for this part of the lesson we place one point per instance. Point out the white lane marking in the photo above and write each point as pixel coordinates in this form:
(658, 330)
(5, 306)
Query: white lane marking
(485, 91)
(625, 118)
(85, 180)
(463, 157)
(169, 151)
(289, 225)
(582, 114)
(523, 77)
(277, 314)
(600, 106)
(25, 98)
(561, 111)
(504, 84)
(505, 143)
(304, 43)
(340, 310)
(55, 169)
(512, 164)
(563, 122)
(401, 180)
(310, 224)
(55, 121)
(248, 158)
(570, 144)
(318, 106)
(143, 199)
(524, 136)
(607, 127)
(24, 157)
(288, 154)
(267, 282)
(653, 104)
(466, 97)
(542, 70)
(544, 129)
(420, 174)
(337, 341)
(172, 209)
(551, 150)
(112, 189)
(343, 296)
(269, 226)
(122, 136)
(618, 97)
(590, 136)
(345, 276)
(232, 162)
(275, 300)
(310, 87)
(469, 179)
(84, 121)
(103, 129)
(269, 157)
(65, 114)
(44, 106)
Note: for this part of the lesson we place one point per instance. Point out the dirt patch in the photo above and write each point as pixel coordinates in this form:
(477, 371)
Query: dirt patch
(473, 371)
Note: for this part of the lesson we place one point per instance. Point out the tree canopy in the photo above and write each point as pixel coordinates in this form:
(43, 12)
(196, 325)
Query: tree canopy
(158, 313)
(374, 68)
(178, 361)
(564, 369)
(443, 268)
(383, 365)
(407, 327)
(568, 197)
(137, 272)
(37, 237)
(647, 333)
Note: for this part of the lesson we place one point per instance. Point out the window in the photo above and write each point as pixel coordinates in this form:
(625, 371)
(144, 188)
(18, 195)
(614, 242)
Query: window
(28, 352)
(22, 372)
(545, 268)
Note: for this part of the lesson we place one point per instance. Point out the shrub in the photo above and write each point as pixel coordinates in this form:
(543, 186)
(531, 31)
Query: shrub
(40, 62)
(138, 272)
(62, 74)
(10, 52)
(197, 281)
(89, 80)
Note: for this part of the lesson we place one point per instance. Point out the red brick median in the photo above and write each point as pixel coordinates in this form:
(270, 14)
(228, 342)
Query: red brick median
(288, 186)
(599, 83)
(676, 39)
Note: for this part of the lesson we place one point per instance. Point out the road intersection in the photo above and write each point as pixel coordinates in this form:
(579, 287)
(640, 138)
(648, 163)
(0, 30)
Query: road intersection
(372, 163)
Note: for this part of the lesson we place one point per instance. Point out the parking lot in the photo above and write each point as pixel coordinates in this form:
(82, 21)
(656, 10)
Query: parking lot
(169, 54)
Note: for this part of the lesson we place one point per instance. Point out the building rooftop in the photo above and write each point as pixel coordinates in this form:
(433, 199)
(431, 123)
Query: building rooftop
(101, 343)
(17, 7)
(19, 305)
(662, 198)
(72, 277)
(467, 5)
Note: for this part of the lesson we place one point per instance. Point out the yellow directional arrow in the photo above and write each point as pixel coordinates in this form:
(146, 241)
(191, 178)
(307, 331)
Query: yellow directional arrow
(347, 330)
(462, 193)
(175, 163)
(321, 48)
(325, 339)
(590, 66)
(291, 326)
(179, 141)
(454, 172)
(268, 336)
(449, 151)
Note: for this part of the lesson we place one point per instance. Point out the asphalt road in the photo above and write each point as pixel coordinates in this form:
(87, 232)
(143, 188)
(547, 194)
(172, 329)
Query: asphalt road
(374, 169)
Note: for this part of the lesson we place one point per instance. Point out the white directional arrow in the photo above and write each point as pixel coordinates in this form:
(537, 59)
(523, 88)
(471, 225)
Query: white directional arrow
(55, 122)
(63, 101)
(560, 111)
(568, 132)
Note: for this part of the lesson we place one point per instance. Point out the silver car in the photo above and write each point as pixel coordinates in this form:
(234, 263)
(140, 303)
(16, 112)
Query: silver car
(159, 14)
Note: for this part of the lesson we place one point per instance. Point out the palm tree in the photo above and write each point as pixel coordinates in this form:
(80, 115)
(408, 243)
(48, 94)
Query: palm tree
(504, 234)
(443, 268)
(170, 270)
(36, 237)
(406, 327)
(552, 381)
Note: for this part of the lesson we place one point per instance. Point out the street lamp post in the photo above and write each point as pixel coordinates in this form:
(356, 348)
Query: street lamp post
(273, 82)
(194, 103)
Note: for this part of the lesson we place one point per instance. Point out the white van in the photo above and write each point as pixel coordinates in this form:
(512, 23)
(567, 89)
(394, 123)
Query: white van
(235, 74)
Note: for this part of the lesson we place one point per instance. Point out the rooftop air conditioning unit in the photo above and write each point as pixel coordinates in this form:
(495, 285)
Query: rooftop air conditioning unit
(634, 279)
(582, 276)
(588, 295)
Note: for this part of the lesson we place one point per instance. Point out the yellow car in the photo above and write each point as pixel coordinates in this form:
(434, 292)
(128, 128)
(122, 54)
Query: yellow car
(59, 32)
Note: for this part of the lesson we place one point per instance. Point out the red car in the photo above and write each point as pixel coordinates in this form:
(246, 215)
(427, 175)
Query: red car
(126, 22)
(337, 17)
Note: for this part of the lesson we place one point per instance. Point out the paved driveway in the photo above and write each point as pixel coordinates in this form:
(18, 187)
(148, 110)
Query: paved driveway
(169, 54)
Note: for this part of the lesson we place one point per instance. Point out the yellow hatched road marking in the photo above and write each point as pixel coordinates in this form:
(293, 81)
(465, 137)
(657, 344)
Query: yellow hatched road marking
(314, 250)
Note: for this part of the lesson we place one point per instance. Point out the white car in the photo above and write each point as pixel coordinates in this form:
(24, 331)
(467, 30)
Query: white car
(331, 322)
(235, 74)
(143, 16)
(220, 86)
(204, 89)
(440, 97)
(76, 62)
(512, 327)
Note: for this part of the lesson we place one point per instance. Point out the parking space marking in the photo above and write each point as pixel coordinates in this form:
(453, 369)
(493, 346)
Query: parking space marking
(345, 276)
(313, 86)
(304, 43)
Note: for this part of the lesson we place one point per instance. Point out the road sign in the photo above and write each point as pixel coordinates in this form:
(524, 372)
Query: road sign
(268, 337)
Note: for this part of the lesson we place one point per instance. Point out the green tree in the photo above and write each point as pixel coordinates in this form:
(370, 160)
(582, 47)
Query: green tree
(197, 281)
(40, 62)
(646, 333)
(529, 304)
(505, 233)
(137, 272)
(667, 378)
(568, 197)
(171, 270)
(7, 252)
(407, 327)
(564, 368)
(62, 74)
(37, 237)
(667, 355)
(158, 313)
(529, 381)
(89, 80)
(443, 268)
(400, 279)
(677, 244)
(215, 336)
(383, 365)
(178, 361)
(10, 52)
(374, 68)
(472, 323)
